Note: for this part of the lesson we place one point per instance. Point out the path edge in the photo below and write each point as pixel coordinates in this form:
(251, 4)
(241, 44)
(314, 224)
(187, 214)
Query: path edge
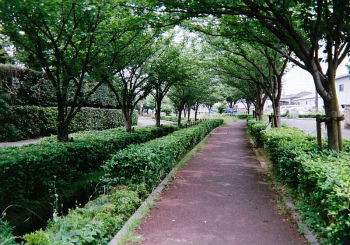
(148, 203)
(308, 234)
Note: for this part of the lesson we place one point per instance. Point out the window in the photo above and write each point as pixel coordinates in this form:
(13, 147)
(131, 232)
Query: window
(341, 87)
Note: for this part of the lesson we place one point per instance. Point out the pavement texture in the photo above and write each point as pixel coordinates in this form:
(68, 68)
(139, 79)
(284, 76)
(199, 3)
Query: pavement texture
(219, 197)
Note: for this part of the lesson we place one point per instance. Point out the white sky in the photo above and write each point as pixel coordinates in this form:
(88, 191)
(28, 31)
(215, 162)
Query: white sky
(297, 80)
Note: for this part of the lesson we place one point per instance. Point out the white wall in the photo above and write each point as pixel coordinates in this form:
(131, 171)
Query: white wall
(343, 96)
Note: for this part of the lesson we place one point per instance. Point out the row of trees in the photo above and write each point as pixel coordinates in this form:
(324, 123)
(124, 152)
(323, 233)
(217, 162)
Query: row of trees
(87, 50)
(306, 33)
(85, 44)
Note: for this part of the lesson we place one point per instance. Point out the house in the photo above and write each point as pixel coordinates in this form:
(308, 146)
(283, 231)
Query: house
(309, 102)
(342, 84)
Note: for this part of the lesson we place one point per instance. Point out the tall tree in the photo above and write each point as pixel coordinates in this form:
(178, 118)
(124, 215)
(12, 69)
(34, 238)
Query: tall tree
(133, 83)
(306, 27)
(170, 68)
(73, 42)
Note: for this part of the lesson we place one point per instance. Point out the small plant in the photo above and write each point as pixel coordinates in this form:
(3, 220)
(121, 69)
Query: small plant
(221, 108)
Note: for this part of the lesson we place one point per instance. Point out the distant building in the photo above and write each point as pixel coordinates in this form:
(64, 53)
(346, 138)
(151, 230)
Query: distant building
(309, 102)
(342, 84)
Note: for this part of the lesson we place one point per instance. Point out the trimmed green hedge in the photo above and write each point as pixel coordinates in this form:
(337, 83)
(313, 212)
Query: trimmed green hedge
(255, 128)
(319, 181)
(25, 122)
(100, 219)
(150, 162)
(28, 172)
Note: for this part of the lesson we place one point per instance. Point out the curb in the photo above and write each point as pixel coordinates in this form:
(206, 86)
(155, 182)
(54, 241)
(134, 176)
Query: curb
(148, 203)
(309, 236)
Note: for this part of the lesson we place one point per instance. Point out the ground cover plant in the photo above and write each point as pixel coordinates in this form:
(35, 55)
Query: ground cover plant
(31, 175)
(318, 180)
(129, 175)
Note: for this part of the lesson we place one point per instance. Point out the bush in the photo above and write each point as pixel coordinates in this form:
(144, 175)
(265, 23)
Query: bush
(221, 108)
(255, 129)
(100, 219)
(96, 223)
(244, 116)
(319, 180)
(27, 172)
(148, 163)
(25, 122)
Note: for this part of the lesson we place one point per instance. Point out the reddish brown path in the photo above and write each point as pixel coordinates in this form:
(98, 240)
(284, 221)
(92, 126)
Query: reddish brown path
(219, 197)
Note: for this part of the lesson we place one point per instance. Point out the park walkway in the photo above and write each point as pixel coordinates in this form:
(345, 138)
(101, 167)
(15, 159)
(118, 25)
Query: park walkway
(219, 198)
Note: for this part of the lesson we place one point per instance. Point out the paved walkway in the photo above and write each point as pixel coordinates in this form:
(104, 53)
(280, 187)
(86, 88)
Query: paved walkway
(219, 197)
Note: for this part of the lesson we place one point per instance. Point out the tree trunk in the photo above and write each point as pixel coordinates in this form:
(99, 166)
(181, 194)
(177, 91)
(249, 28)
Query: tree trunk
(179, 118)
(188, 113)
(128, 119)
(62, 132)
(157, 115)
(329, 95)
(62, 123)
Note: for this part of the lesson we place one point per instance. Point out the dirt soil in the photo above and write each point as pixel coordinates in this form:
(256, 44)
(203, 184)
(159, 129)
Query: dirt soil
(219, 197)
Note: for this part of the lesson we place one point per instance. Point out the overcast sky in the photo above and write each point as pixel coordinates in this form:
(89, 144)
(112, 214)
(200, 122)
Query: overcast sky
(297, 80)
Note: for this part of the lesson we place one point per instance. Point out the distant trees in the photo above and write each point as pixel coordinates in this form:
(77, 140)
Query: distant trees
(74, 43)
(306, 28)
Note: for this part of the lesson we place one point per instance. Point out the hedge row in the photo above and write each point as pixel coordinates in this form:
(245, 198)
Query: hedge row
(138, 166)
(320, 181)
(255, 128)
(25, 122)
(150, 162)
(27, 172)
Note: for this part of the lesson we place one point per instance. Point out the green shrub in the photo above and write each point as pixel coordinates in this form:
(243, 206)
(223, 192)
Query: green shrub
(221, 108)
(287, 149)
(25, 122)
(319, 181)
(148, 163)
(100, 219)
(243, 116)
(6, 237)
(27, 172)
(255, 129)
(96, 223)
(325, 188)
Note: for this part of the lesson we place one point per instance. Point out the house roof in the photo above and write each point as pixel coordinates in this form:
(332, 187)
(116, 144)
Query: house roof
(301, 94)
(307, 97)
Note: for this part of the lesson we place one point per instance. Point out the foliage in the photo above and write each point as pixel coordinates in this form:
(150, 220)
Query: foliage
(80, 45)
(25, 122)
(25, 87)
(28, 172)
(243, 116)
(6, 237)
(148, 163)
(96, 223)
(319, 180)
(255, 129)
(221, 108)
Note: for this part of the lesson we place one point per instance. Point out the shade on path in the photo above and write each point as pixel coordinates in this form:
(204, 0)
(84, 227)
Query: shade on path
(219, 197)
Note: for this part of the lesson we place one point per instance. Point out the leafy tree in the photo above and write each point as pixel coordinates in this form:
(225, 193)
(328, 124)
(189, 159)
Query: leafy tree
(179, 95)
(306, 27)
(170, 68)
(133, 83)
(74, 42)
